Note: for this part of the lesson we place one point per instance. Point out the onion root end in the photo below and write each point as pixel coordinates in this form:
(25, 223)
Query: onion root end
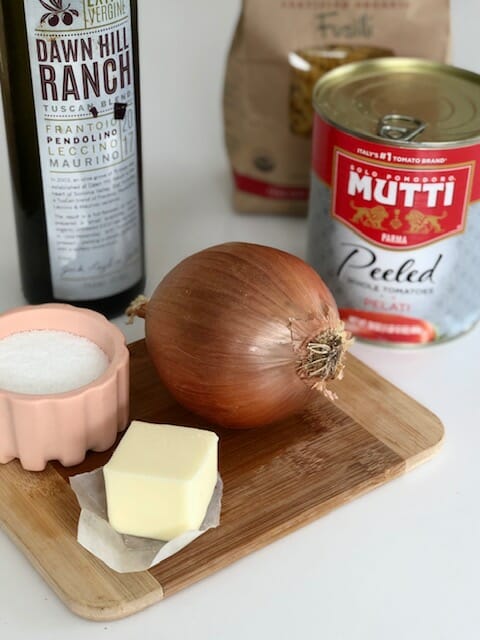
(324, 359)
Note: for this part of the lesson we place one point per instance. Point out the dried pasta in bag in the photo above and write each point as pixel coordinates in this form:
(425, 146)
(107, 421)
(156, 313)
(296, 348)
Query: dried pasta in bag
(309, 64)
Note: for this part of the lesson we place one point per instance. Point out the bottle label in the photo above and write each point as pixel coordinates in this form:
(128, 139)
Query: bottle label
(82, 73)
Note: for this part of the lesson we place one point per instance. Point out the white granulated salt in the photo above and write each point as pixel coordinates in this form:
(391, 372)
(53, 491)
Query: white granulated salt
(46, 361)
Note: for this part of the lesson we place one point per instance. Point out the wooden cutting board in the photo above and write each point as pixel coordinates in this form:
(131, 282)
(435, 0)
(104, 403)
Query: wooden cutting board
(275, 481)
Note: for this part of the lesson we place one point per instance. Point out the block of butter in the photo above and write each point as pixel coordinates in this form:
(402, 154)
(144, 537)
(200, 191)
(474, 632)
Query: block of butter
(160, 480)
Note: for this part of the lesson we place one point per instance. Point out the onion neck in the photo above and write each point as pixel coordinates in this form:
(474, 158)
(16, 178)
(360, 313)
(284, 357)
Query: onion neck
(137, 309)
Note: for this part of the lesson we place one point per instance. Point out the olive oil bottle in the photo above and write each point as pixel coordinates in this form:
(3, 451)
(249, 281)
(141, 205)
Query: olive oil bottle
(70, 84)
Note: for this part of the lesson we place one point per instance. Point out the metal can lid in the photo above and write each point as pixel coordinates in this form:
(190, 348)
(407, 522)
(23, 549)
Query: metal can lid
(405, 101)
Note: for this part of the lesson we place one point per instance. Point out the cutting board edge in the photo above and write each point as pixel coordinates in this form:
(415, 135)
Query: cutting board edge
(109, 594)
(424, 456)
(89, 611)
(410, 448)
(115, 612)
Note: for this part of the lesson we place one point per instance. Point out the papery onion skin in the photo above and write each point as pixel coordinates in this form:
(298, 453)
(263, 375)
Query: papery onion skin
(228, 331)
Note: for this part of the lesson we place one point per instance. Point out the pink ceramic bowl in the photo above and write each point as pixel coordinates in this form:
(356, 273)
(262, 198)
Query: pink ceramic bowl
(64, 426)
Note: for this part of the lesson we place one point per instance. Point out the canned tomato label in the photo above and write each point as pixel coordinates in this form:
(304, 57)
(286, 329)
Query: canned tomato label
(394, 220)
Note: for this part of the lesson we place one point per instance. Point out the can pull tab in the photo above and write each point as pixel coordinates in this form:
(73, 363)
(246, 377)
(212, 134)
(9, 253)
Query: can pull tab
(397, 127)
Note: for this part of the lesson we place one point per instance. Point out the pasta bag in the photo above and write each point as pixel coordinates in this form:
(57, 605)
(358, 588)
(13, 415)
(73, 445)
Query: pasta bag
(279, 51)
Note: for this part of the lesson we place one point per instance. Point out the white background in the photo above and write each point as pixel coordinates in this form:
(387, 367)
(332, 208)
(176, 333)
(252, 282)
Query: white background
(400, 563)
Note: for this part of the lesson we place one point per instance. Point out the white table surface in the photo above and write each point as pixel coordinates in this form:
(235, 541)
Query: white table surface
(399, 563)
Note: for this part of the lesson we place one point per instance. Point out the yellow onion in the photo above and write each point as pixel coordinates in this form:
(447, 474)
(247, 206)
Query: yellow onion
(243, 335)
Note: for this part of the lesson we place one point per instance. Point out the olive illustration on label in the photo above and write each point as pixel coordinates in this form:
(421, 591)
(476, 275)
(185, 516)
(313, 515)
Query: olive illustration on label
(56, 12)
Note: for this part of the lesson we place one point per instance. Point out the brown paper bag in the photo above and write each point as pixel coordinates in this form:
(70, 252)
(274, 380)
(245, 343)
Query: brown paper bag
(280, 49)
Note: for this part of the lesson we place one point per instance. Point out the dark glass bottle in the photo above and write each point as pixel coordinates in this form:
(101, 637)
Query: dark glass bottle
(70, 83)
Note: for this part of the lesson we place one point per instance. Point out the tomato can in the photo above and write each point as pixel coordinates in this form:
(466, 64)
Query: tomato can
(394, 216)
